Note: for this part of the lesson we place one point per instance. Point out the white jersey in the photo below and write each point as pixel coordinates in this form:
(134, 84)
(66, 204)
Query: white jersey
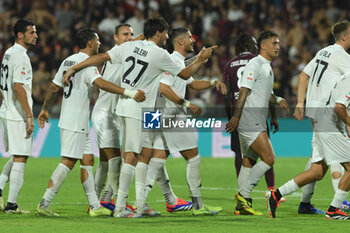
(142, 62)
(258, 77)
(15, 68)
(107, 101)
(329, 121)
(324, 71)
(75, 108)
(177, 84)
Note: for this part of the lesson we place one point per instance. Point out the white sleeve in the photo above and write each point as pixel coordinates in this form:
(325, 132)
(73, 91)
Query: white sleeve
(115, 54)
(189, 81)
(20, 69)
(167, 64)
(91, 74)
(309, 67)
(341, 95)
(343, 62)
(167, 79)
(250, 74)
(58, 80)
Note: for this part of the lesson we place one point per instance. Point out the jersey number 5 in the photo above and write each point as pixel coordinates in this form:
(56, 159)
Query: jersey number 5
(131, 68)
(66, 93)
(4, 74)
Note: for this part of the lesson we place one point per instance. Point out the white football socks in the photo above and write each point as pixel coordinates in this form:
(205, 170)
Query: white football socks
(257, 171)
(164, 185)
(126, 175)
(100, 177)
(194, 181)
(336, 168)
(339, 198)
(154, 167)
(114, 173)
(140, 184)
(107, 194)
(16, 181)
(4, 177)
(288, 188)
(243, 177)
(57, 177)
(89, 187)
(308, 189)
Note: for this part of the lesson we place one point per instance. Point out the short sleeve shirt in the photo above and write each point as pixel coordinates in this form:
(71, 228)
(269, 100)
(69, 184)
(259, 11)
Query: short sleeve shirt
(324, 71)
(258, 77)
(75, 110)
(141, 63)
(15, 68)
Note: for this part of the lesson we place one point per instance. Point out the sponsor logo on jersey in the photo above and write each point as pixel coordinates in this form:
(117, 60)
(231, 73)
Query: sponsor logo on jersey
(250, 76)
(151, 119)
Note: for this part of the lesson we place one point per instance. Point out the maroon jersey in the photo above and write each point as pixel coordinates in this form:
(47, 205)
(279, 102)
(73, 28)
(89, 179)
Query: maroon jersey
(233, 72)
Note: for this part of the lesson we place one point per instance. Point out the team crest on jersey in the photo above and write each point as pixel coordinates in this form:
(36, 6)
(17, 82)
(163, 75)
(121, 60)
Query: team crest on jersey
(250, 75)
(151, 119)
(23, 70)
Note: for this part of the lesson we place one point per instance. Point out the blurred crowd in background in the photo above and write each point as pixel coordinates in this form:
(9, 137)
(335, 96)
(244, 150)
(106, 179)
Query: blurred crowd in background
(304, 26)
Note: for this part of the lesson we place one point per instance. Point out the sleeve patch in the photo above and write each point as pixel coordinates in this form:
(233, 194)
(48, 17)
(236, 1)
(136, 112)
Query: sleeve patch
(250, 75)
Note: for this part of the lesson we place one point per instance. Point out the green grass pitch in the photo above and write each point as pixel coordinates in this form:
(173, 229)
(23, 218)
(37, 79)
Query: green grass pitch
(219, 186)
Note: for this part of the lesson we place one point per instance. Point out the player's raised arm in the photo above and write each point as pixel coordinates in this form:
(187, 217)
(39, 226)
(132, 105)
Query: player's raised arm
(201, 58)
(302, 87)
(166, 91)
(51, 97)
(138, 95)
(94, 60)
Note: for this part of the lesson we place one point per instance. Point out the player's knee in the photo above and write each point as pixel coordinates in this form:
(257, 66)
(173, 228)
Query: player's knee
(318, 176)
(269, 161)
(336, 175)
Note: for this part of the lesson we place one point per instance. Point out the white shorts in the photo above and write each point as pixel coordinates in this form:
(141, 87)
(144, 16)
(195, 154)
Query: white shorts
(14, 136)
(159, 142)
(74, 144)
(246, 139)
(148, 137)
(334, 146)
(180, 141)
(106, 129)
(316, 154)
(130, 134)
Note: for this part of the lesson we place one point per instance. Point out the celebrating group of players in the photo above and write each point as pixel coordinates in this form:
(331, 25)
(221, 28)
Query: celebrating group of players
(137, 74)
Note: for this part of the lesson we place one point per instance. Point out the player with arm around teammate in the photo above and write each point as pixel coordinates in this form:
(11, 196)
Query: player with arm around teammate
(74, 122)
(141, 62)
(172, 93)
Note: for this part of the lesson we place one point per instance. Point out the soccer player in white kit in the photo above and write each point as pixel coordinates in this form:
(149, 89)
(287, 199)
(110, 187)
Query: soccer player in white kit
(250, 115)
(105, 123)
(16, 116)
(172, 93)
(74, 122)
(318, 77)
(333, 142)
(142, 62)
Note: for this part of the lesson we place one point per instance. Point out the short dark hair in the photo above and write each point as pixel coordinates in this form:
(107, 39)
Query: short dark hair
(177, 32)
(154, 25)
(84, 36)
(116, 31)
(246, 43)
(21, 26)
(266, 35)
(339, 28)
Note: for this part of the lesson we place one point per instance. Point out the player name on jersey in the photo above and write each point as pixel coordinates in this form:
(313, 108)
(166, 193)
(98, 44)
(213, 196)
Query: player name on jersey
(242, 62)
(140, 52)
